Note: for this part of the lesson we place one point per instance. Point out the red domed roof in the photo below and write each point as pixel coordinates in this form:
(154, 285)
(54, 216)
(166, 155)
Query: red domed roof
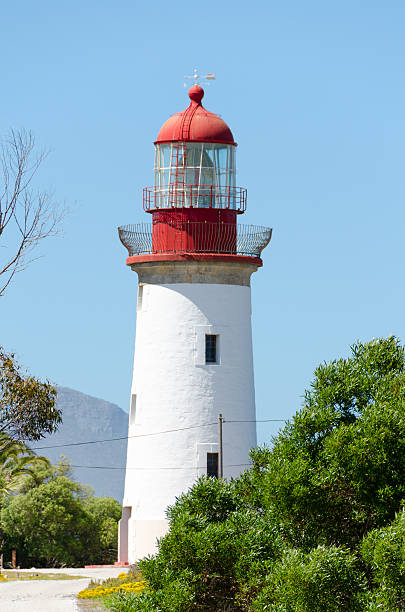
(195, 124)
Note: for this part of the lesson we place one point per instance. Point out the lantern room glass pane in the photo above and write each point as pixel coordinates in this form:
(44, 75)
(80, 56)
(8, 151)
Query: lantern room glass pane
(164, 156)
(187, 169)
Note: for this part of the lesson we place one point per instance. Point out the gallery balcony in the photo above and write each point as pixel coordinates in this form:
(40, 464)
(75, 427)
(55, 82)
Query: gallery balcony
(194, 237)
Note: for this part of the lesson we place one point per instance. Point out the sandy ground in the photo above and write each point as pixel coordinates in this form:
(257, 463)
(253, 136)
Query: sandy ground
(50, 595)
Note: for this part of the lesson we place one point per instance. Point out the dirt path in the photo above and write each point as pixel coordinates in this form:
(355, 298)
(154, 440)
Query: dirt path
(49, 595)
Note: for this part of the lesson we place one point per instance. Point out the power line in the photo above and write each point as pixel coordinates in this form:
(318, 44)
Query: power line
(194, 467)
(257, 421)
(156, 433)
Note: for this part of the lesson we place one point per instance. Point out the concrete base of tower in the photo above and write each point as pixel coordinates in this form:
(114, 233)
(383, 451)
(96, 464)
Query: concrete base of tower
(140, 538)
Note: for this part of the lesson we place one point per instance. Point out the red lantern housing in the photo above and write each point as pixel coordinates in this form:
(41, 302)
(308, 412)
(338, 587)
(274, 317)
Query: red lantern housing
(194, 202)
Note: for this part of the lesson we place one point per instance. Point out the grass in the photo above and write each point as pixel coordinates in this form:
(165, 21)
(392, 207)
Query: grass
(9, 575)
(90, 605)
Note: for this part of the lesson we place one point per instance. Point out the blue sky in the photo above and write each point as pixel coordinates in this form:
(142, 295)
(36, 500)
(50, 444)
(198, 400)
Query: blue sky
(314, 94)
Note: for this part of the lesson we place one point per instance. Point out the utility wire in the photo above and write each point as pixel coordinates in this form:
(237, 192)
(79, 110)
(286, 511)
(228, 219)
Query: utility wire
(194, 467)
(156, 433)
(257, 421)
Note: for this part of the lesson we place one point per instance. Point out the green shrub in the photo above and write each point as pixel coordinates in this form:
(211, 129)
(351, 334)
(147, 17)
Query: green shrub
(383, 550)
(336, 469)
(210, 549)
(59, 523)
(178, 596)
(325, 580)
(129, 602)
(286, 535)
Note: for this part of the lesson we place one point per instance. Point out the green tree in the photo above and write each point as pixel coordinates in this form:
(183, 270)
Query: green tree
(337, 470)
(27, 405)
(42, 472)
(55, 524)
(47, 525)
(384, 553)
(309, 527)
(17, 464)
(105, 513)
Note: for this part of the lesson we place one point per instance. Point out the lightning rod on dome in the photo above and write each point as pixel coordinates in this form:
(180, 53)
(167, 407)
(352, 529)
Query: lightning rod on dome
(199, 78)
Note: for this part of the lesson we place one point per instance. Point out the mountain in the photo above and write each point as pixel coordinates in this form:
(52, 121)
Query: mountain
(87, 418)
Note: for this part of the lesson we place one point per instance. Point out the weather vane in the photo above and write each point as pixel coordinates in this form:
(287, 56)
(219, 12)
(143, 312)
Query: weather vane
(201, 79)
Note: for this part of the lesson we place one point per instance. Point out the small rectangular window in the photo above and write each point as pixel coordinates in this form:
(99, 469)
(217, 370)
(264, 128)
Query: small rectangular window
(212, 464)
(210, 348)
(132, 413)
(140, 297)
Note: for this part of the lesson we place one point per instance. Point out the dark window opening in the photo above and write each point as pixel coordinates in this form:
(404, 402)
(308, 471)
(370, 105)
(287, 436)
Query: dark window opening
(212, 464)
(210, 348)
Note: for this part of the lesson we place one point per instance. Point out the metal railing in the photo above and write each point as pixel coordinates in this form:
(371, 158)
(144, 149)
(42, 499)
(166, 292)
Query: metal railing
(194, 196)
(195, 237)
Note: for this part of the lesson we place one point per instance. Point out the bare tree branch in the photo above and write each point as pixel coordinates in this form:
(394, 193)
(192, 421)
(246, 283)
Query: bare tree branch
(27, 216)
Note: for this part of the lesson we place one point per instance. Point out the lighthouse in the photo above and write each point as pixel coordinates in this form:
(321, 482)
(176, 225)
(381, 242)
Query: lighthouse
(193, 350)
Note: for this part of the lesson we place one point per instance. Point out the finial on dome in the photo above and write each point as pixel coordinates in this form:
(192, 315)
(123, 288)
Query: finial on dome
(201, 79)
(196, 93)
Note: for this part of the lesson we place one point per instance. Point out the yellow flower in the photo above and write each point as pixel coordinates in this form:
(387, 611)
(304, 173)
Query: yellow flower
(100, 591)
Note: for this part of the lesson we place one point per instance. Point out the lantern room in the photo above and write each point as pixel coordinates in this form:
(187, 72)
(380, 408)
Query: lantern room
(194, 201)
(195, 162)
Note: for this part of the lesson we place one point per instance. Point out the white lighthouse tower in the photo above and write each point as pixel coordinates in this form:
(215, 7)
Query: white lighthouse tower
(193, 350)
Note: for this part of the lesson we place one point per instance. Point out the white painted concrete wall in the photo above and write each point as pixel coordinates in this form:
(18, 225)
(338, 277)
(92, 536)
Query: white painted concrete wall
(175, 388)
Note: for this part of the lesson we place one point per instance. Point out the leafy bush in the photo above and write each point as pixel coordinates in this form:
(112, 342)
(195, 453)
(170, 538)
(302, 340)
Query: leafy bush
(125, 602)
(336, 470)
(59, 523)
(384, 553)
(287, 534)
(129, 602)
(326, 579)
(211, 546)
